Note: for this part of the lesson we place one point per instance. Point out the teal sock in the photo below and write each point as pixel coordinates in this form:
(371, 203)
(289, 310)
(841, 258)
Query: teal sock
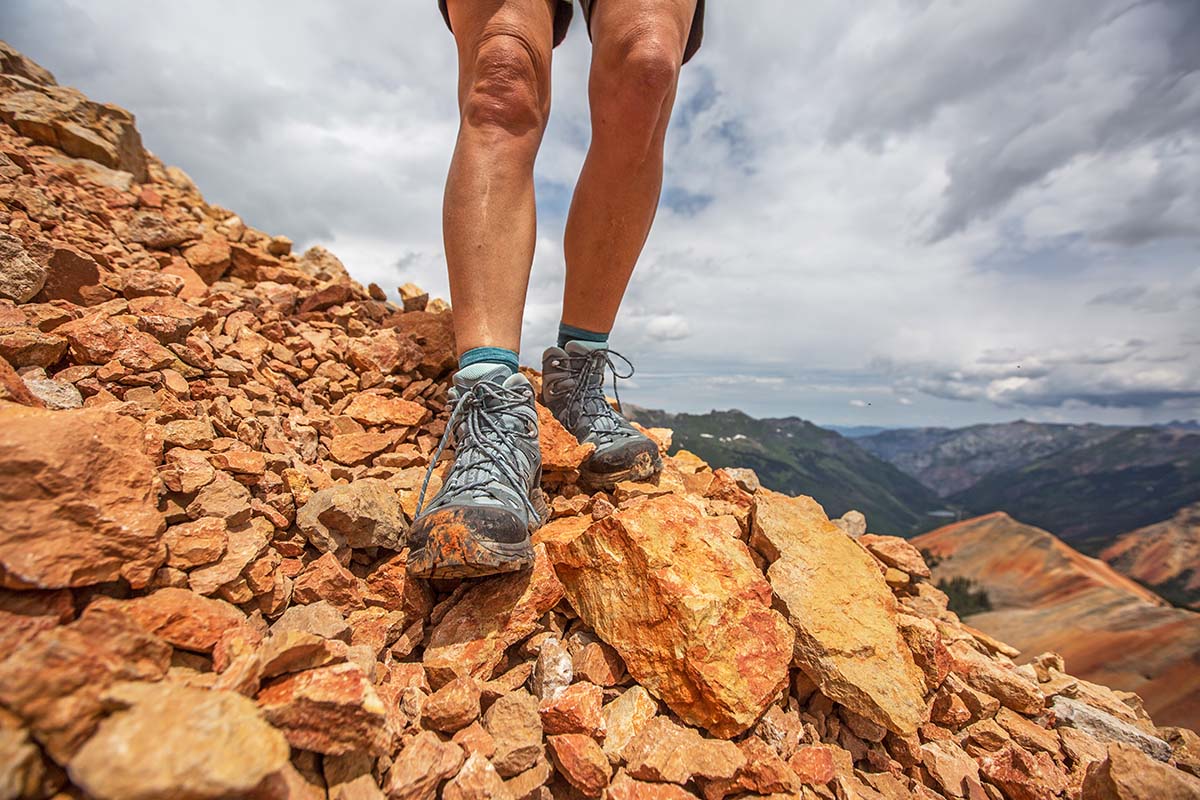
(490, 355)
(567, 333)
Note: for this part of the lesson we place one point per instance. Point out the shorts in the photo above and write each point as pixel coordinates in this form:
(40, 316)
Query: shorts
(562, 20)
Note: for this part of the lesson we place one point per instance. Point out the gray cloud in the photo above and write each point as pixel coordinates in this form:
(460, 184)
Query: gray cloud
(949, 212)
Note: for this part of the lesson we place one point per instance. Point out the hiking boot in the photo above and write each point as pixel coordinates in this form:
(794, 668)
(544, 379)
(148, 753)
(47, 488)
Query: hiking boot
(491, 501)
(572, 388)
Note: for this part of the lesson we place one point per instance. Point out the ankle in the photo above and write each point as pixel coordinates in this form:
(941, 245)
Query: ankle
(490, 355)
(568, 333)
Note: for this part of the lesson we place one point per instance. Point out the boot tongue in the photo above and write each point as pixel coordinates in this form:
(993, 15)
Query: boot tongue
(470, 375)
(577, 347)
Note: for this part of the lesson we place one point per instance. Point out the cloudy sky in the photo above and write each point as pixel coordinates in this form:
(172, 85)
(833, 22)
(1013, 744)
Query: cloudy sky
(896, 213)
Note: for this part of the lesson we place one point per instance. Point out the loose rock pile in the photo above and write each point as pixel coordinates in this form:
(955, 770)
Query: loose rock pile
(210, 451)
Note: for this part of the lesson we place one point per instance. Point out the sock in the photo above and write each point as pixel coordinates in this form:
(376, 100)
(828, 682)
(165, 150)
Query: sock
(490, 355)
(567, 333)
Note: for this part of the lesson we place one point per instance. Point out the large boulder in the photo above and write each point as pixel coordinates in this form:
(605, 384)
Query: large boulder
(78, 497)
(171, 741)
(847, 636)
(700, 632)
(365, 513)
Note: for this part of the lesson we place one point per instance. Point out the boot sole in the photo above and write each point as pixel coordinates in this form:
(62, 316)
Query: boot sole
(451, 551)
(645, 465)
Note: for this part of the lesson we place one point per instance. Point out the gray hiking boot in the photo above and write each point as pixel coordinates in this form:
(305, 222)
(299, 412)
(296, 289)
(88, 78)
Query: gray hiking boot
(491, 501)
(572, 388)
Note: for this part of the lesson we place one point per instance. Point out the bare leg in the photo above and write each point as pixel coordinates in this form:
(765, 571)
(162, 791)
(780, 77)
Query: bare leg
(637, 52)
(488, 215)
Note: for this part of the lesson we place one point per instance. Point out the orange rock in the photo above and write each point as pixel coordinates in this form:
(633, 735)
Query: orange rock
(375, 409)
(183, 618)
(80, 503)
(624, 787)
(326, 579)
(664, 751)
(704, 582)
(1022, 777)
(813, 764)
(847, 636)
(358, 448)
(516, 730)
(581, 761)
(196, 543)
(1129, 774)
(574, 710)
(477, 780)
(452, 707)
(331, 709)
(598, 663)
(764, 773)
(624, 718)
(421, 766)
(895, 552)
(492, 615)
(561, 451)
(209, 258)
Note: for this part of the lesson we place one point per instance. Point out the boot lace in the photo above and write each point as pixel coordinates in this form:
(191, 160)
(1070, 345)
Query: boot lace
(586, 402)
(484, 447)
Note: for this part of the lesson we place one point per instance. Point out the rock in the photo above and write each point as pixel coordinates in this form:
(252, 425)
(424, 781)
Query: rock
(358, 448)
(596, 662)
(375, 409)
(1020, 776)
(196, 543)
(244, 544)
(13, 388)
(191, 434)
(149, 228)
(209, 259)
(852, 523)
(781, 730)
(413, 297)
(491, 616)
(349, 777)
(847, 636)
(184, 618)
(553, 670)
(928, 651)
(452, 707)
(224, 498)
(998, 679)
(21, 278)
(624, 718)
(143, 752)
(704, 582)
(895, 552)
(1128, 774)
(764, 773)
(574, 710)
(624, 787)
(581, 761)
(390, 586)
(332, 710)
(955, 771)
(55, 680)
(422, 766)
(55, 395)
(477, 780)
(326, 579)
(319, 263)
(664, 751)
(29, 347)
(813, 764)
(1106, 727)
(514, 724)
(295, 651)
(80, 504)
(365, 513)
(70, 275)
(319, 618)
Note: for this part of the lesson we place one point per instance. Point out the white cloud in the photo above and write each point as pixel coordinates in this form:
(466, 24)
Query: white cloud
(992, 208)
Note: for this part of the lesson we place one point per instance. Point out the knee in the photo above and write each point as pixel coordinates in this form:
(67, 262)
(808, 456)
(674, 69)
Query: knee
(643, 69)
(508, 89)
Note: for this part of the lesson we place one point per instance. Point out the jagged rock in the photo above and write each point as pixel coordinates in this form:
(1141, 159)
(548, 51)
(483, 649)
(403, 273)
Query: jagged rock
(595, 661)
(553, 671)
(326, 579)
(365, 513)
(1106, 727)
(764, 773)
(244, 543)
(196, 543)
(574, 710)
(664, 751)
(55, 395)
(452, 707)
(80, 499)
(348, 777)
(54, 681)
(1128, 774)
(21, 278)
(624, 787)
(477, 780)
(707, 584)
(183, 618)
(319, 618)
(492, 615)
(847, 636)
(895, 552)
(422, 766)
(295, 651)
(171, 741)
(516, 730)
(581, 761)
(331, 709)
(374, 409)
(1000, 680)
(624, 718)
(13, 388)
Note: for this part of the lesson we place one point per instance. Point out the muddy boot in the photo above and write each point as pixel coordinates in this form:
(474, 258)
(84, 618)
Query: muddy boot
(572, 388)
(480, 521)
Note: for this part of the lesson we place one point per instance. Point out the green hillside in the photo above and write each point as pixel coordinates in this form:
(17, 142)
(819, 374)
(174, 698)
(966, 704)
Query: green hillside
(797, 457)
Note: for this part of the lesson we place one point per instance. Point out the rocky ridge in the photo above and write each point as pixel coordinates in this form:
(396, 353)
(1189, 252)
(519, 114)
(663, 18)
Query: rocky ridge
(210, 449)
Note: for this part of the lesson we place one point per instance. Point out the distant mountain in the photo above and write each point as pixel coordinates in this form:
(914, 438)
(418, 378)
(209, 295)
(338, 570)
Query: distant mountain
(857, 431)
(1092, 492)
(797, 457)
(950, 460)
(1046, 596)
(1164, 556)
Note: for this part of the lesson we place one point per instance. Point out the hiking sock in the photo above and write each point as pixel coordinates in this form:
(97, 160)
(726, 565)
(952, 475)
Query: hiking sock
(490, 355)
(568, 333)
